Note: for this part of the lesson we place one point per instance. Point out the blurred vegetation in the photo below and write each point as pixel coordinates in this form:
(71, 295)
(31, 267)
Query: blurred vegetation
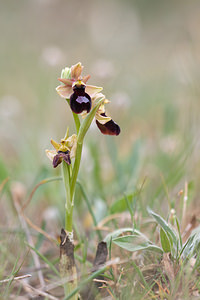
(145, 54)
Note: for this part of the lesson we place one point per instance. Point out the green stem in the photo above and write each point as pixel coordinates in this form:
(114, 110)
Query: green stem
(69, 220)
(76, 119)
(67, 181)
(77, 122)
(68, 204)
(75, 170)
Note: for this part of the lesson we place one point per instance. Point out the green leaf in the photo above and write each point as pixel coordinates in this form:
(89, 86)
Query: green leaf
(192, 245)
(165, 226)
(116, 233)
(170, 239)
(165, 242)
(135, 243)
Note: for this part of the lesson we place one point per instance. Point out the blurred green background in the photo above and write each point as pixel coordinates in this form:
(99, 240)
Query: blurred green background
(146, 55)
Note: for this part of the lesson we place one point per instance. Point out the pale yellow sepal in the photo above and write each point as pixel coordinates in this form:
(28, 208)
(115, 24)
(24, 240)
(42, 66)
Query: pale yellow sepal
(84, 114)
(50, 154)
(64, 91)
(101, 119)
(55, 144)
(72, 144)
(93, 90)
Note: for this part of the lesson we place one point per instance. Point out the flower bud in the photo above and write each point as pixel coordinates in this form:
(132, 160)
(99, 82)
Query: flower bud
(66, 73)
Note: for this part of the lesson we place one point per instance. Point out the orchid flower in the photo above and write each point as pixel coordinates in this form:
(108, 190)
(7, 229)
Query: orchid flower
(76, 89)
(64, 151)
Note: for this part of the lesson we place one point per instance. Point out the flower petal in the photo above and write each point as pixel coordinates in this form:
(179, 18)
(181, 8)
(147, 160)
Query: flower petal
(66, 157)
(57, 160)
(86, 78)
(67, 82)
(110, 127)
(56, 145)
(76, 71)
(50, 154)
(92, 90)
(71, 142)
(60, 156)
(80, 101)
(102, 119)
(64, 91)
(101, 110)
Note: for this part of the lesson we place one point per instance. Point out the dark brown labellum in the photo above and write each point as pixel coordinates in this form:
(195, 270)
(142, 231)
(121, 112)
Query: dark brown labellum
(80, 100)
(60, 156)
(110, 128)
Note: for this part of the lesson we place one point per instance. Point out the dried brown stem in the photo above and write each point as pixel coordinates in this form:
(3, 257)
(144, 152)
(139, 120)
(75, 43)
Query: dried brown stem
(67, 264)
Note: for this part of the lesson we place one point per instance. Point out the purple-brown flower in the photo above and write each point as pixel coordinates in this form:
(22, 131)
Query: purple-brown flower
(105, 124)
(64, 151)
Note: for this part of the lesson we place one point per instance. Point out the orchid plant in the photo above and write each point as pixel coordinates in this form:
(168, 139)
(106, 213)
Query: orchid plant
(88, 102)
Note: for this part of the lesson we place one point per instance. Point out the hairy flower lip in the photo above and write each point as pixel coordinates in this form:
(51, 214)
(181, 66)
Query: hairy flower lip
(80, 101)
(60, 156)
(109, 128)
